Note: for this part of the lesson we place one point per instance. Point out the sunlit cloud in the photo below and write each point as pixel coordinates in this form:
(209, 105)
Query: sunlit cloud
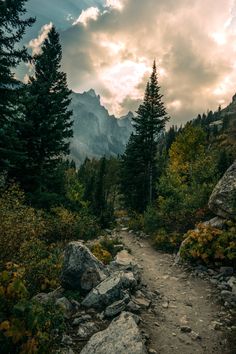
(111, 47)
(87, 15)
(36, 43)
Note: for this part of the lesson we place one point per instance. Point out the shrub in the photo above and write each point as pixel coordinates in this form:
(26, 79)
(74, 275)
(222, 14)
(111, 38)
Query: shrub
(151, 220)
(167, 242)
(136, 222)
(210, 245)
(42, 265)
(18, 222)
(65, 225)
(103, 255)
(109, 244)
(25, 326)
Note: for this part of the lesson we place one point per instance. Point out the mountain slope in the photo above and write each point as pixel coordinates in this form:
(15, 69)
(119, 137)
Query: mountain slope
(96, 133)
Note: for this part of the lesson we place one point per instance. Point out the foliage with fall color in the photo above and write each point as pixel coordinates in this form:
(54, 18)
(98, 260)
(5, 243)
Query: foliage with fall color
(210, 245)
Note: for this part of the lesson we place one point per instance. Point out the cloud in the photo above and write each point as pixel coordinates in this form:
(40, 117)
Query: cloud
(35, 44)
(91, 13)
(195, 53)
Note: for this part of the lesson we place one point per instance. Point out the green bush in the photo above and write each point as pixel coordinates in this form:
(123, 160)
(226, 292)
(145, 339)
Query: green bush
(168, 242)
(210, 245)
(136, 222)
(42, 264)
(151, 222)
(66, 225)
(103, 255)
(25, 325)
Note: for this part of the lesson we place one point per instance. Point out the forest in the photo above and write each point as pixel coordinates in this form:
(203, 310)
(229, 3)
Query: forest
(160, 186)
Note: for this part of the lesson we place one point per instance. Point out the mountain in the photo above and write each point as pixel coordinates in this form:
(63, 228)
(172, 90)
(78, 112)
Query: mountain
(96, 133)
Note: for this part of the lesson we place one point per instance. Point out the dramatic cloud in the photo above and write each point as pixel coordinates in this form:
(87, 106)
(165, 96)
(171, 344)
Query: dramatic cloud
(91, 13)
(35, 44)
(112, 44)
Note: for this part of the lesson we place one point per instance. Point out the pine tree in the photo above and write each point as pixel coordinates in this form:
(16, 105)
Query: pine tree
(47, 126)
(12, 29)
(139, 161)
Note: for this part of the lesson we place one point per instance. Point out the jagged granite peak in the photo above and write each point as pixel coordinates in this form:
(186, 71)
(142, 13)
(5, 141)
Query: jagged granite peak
(96, 132)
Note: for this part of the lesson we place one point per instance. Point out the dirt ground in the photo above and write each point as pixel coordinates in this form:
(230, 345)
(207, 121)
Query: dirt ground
(184, 301)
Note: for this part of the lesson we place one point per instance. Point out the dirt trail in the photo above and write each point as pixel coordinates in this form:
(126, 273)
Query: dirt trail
(184, 301)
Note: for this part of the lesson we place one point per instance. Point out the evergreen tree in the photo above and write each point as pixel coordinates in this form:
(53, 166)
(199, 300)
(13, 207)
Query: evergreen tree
(139, 161)
(12, 29)
(47, 126)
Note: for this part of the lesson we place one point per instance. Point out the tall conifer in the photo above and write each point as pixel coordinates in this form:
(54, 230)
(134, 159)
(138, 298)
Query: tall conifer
(139, 160)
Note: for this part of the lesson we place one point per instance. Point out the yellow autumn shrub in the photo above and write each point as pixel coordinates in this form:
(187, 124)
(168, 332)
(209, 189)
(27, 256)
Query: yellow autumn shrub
(18, 222)
(210, 245)
(100, 253)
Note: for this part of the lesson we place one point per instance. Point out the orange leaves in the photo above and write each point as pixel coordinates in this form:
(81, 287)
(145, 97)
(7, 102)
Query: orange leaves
(210, 245)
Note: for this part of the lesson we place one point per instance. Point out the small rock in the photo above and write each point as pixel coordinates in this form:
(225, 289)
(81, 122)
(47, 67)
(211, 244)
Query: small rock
(195, 335)
(66, 340)
(65, 305)
(142, 302)
(152, 351)
(165, 305)
(186, 329)
(87, 329)
(217, 325)
(117, 307)
(227, 271)
(133, 307)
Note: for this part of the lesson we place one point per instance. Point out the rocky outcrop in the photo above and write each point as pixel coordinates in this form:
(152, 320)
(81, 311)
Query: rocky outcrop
(122, 336)
(223, 199)
(110, 290)
(81, 270)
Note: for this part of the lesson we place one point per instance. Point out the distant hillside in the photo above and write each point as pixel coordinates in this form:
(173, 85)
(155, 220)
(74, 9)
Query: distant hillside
(96, 133)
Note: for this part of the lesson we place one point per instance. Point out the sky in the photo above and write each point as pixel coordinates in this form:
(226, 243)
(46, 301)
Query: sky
(110, 45)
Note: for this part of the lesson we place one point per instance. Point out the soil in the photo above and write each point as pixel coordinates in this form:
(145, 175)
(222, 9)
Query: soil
(184, 301)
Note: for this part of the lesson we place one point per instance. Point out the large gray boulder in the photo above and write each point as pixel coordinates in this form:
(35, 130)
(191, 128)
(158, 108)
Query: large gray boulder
(81, 269)
(223, 199)
(121, 337)
(110, 290)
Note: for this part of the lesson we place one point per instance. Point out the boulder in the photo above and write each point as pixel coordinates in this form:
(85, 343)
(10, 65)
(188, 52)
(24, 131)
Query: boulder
(223, 199)
(54, 295)
(217, 222)
(110, 290)
(81, 269)
(121, 337)
(117, 307)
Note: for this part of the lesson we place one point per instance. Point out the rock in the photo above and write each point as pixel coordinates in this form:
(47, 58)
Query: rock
(217, 325)
(64, 304)
(165, 305)
(124, 258)
(216, 222)
(152, 351)
(226, 271)
(121, 337)
(222, 200)
(117, 307)
(186, 329)
(46, 297)
(78, 320)
(133, 307)
(87, 329)
(65, 351)
(66, 340)
(110, 290)
(142, 302)
(81, 270)
(228, 296)
(195, 335)
(232, 283)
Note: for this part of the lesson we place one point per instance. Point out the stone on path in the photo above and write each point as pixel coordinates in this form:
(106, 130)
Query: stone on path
(121, 337)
